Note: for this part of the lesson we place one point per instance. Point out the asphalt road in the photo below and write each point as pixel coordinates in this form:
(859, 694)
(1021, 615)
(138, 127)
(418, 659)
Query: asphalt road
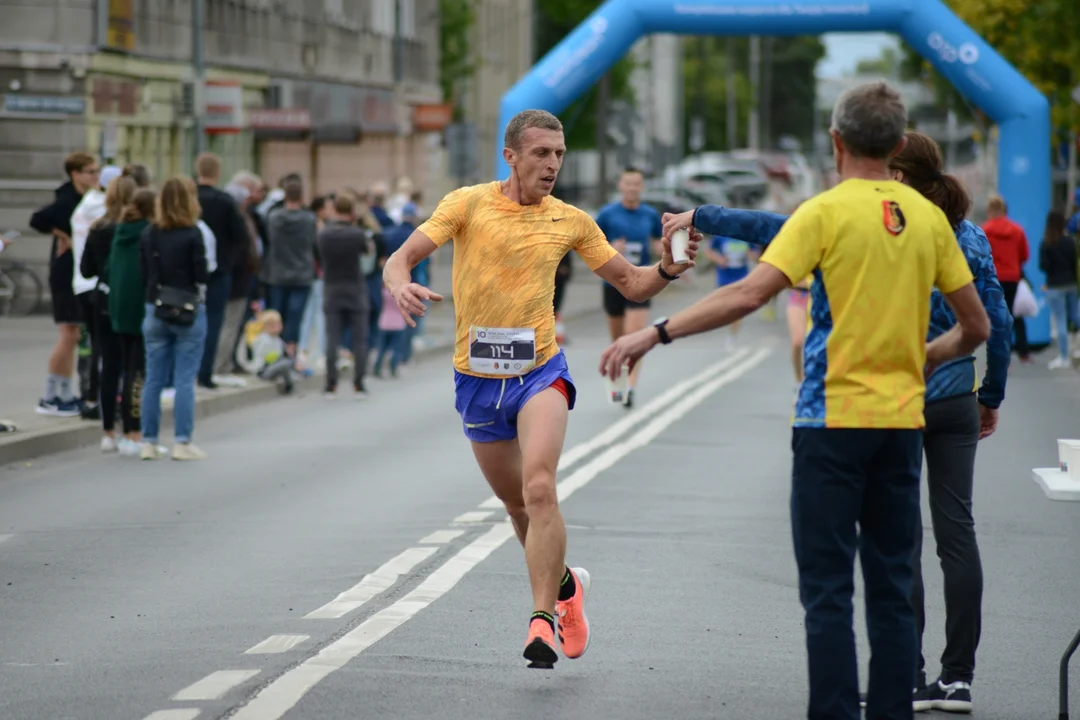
(350, 539)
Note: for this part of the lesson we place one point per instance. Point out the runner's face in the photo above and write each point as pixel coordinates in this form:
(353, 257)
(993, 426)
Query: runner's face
(540, 159)
(630, 185)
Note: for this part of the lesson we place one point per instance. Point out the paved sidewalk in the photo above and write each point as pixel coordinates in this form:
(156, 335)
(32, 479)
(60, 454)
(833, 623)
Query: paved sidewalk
(25, 345)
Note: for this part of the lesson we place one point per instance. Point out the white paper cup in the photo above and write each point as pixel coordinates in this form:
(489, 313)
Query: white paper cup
(680, 244)
(616, 391)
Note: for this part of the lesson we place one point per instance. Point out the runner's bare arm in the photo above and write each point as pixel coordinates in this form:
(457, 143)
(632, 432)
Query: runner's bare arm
(641, 283)
(398, 268)
(397, 276)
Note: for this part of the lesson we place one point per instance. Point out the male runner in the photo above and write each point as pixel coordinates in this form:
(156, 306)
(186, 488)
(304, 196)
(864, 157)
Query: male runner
(632, 229)
(513, 387)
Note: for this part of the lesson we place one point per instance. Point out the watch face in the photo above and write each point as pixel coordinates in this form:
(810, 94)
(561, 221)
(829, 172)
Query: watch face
(660, 321)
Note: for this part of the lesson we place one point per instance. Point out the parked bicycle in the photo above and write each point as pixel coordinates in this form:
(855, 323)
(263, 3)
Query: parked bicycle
(21, 290)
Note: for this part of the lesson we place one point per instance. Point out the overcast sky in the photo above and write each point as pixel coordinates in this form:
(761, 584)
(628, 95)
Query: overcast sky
(844, 50)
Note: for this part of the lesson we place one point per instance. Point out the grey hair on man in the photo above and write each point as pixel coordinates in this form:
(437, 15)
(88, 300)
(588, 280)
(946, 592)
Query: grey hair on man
(870, 120)
(526, 119)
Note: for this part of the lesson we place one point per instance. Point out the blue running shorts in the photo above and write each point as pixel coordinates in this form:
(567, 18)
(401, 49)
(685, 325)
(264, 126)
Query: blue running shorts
(489, 406)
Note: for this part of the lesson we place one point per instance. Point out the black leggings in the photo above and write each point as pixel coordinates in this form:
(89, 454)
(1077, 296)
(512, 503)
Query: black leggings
(949, 442)
(134, 356)
(112, 364)
(89, 370)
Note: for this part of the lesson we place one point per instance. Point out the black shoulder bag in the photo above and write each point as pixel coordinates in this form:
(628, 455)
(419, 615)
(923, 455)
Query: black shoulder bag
(173, 305)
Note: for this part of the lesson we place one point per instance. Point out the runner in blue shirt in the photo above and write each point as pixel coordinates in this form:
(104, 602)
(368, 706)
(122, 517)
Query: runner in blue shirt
(732, 259)
(632, 229)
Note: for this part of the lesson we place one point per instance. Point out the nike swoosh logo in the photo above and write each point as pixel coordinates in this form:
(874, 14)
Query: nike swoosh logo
(557, 219)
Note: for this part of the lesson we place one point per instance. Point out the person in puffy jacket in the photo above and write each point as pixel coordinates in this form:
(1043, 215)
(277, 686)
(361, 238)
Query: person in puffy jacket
(957, 416)
(1010, 248)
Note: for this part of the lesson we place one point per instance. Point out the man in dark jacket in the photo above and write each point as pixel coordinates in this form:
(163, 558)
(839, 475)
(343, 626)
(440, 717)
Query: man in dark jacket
(55, 220)
(341, 244)
(219, 211)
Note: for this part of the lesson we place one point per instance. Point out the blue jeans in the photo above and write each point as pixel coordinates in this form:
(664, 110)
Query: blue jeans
(857, 490)
(289, 300)
(182, 348)
(217, 298)
(314, 320)
(1063, 306)
(391, 341)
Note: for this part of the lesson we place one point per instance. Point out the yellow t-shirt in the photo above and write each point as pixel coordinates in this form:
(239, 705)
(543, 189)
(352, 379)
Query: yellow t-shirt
(876, 250)
(505, 256)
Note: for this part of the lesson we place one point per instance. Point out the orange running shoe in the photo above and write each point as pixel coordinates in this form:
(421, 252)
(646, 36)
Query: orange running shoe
(573, 625)
(540, 646)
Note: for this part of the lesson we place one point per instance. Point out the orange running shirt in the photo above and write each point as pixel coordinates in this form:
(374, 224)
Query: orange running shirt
(505, 256)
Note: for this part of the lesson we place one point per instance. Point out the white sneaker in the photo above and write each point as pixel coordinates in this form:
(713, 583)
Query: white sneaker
(128, 448)
(108, 444)
(187, 451)
(149, 451)
(1059, 363)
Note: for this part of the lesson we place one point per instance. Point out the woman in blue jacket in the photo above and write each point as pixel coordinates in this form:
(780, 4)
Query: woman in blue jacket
(957, 416)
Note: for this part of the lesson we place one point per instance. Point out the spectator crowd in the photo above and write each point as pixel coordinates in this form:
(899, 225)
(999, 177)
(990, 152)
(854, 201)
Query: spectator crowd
(196, 283)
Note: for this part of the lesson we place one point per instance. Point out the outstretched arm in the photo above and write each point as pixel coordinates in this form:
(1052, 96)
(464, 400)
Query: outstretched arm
(756, 227)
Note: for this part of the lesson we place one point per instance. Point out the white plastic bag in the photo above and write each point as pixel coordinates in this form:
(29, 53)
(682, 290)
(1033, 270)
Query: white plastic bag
(1025, 305)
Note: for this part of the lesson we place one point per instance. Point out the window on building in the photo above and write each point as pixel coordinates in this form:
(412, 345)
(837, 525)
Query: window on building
(383, 17)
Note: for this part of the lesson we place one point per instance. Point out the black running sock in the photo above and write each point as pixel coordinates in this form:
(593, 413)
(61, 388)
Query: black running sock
(568, 586)
(546, 617)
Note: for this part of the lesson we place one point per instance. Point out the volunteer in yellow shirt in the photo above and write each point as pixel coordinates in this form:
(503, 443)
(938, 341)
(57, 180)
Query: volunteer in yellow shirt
(876, 249)
(513, 387)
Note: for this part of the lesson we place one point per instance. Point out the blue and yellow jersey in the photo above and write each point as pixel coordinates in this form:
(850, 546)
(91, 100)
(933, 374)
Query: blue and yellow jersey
(505, 256)
(876, 251)
(952, 379)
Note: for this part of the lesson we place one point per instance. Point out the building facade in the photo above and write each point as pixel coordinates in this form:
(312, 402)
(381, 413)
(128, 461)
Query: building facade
(345, 92)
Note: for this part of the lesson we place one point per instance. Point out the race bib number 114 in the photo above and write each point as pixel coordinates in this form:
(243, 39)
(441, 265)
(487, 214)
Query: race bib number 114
(502, 351)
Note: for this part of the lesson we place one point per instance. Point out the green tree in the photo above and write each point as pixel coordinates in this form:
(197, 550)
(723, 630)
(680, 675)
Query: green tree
(456, 63)
(793, 95)
(788, 101)
(555, 19)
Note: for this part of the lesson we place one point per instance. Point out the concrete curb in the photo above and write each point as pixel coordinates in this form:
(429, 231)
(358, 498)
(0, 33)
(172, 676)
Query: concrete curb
(75, 434)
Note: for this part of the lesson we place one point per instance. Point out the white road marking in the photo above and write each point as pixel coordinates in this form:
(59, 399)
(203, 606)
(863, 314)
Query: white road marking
(277, 644)
(372, 584)
(627, 422)
(441, 537)
(180, 714)
(281, 695)
(473, 516)
(215, 685)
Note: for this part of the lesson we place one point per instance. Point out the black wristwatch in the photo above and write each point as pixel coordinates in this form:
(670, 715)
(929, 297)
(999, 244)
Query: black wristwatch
(662, 331)
(666, 276)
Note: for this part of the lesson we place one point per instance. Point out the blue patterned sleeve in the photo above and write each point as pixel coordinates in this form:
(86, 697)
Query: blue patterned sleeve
(999, 345)
(756, 227)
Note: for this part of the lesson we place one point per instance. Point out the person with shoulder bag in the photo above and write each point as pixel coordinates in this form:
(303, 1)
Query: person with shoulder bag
(175, 268)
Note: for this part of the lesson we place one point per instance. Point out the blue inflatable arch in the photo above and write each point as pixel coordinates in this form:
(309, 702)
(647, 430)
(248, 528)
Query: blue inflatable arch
(984, 77)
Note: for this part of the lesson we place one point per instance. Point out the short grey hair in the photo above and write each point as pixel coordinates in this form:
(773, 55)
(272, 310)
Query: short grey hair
(870, 120)
(247, 179)
(539, 119)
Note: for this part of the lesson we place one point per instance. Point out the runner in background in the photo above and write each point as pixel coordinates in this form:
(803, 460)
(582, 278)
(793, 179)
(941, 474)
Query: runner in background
(563, 273)
(632, 229)
(732, 259)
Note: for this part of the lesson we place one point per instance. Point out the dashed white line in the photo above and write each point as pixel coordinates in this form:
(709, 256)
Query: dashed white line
(473, 516)
(626, 423)
(281, 695)
(178, 714)
(276, 644)
(372, 584)
(215, 685)
(441, 537)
